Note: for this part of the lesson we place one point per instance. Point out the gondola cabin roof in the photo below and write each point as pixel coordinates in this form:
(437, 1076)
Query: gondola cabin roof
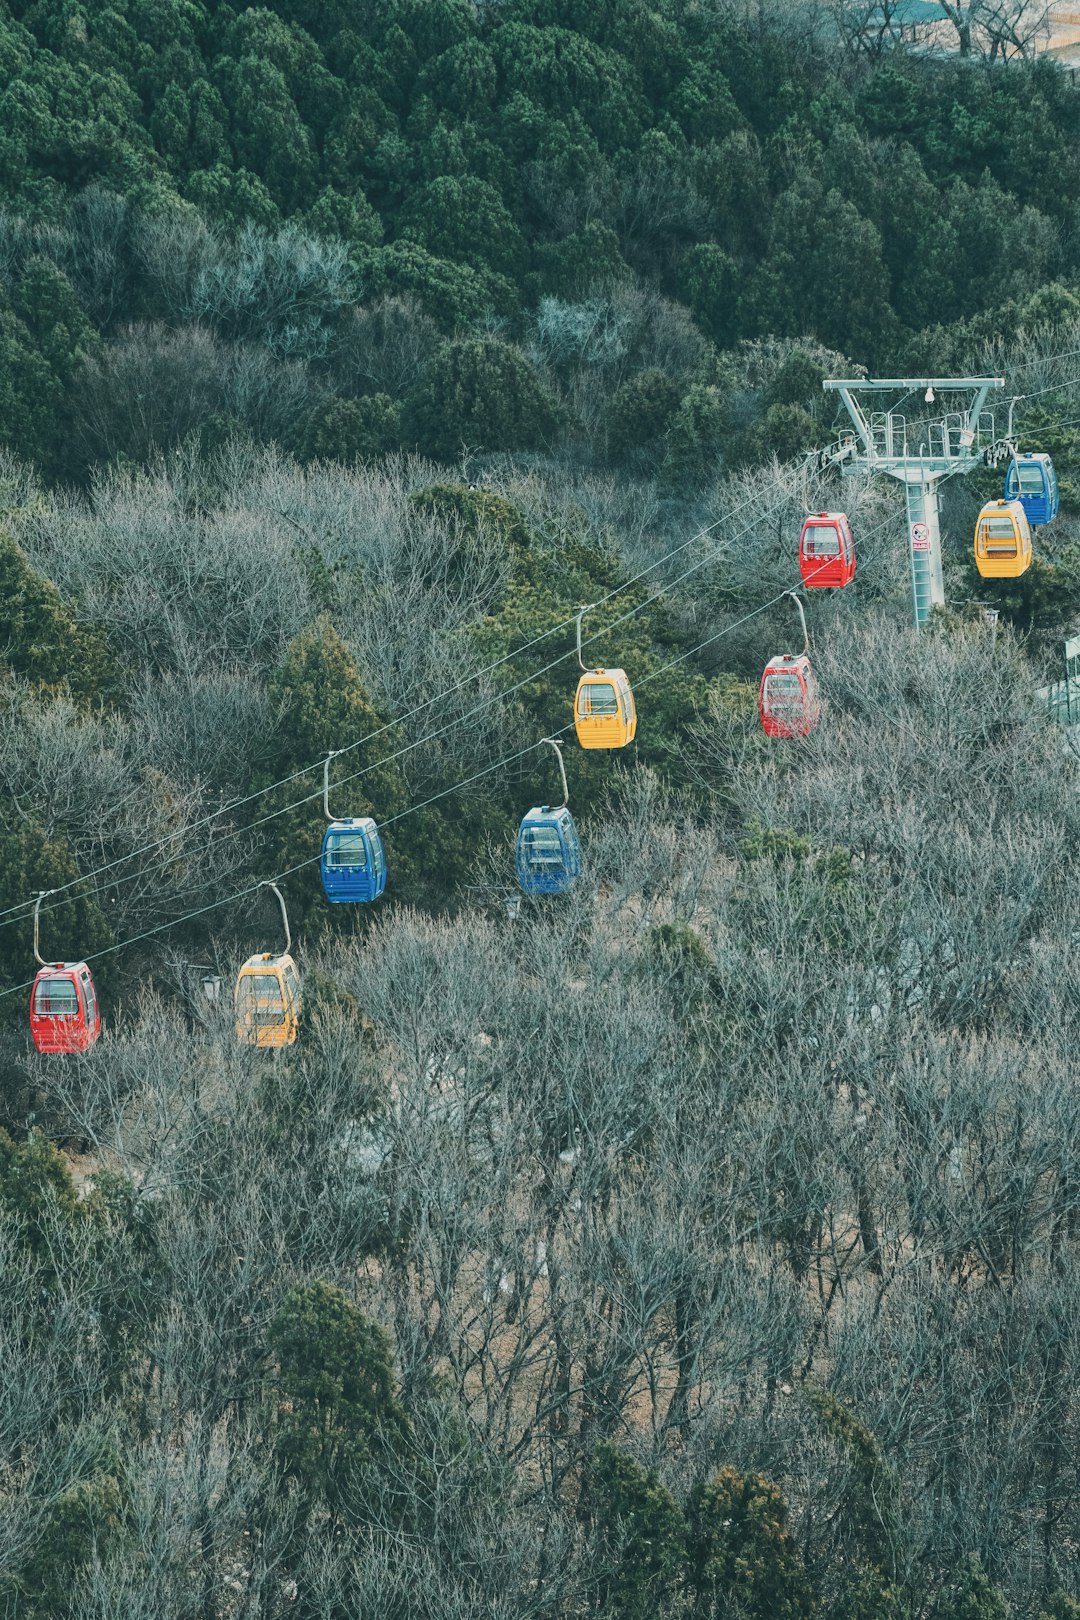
(64, 1011)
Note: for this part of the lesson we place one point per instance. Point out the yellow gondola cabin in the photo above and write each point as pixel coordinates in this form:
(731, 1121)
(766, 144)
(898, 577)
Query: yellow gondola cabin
(268, 1001)
(604, 712)
(1002, 541)
(267, 997)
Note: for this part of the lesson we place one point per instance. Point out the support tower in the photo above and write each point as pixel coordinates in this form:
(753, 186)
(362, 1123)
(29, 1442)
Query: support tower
(920, 448)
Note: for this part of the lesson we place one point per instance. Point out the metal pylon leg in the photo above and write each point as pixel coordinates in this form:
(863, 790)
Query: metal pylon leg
(924, 543)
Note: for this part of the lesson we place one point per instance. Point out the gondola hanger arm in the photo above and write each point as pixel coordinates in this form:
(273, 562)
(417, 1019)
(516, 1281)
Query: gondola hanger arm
(333, 754)
(43, 895)
(802, 620)
(580, 615)
(267, 884)
(562, 770)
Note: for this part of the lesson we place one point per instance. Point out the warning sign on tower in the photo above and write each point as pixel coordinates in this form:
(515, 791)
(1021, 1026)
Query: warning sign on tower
(920, 537)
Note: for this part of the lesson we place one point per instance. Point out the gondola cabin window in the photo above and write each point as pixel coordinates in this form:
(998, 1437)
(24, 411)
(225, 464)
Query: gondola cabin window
(261, 1001)
(56, 998)
(598, 698)
(346, 849)
(542, 845)
(821, 542)
(999, 537)
(783, 694)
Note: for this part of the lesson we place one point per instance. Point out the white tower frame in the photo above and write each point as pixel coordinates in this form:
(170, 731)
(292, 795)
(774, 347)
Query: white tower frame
(920, 452)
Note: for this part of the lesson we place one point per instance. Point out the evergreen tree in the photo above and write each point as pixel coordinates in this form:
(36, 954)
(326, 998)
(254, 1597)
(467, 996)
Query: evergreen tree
(641, 410)
(37, 1196)
(80, 1526)
(695, 439)
(1060, 1606)
(639, 1527)
(339, 1421)
(823, 274)
(464, 220)
(478, 394)
(741, 1552)
(41, 638)
(971, 1595)
(869, 1500)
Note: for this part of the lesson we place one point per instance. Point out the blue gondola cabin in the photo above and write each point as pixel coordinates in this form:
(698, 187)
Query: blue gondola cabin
(548, 852)
(1032, 481)
(353, 862)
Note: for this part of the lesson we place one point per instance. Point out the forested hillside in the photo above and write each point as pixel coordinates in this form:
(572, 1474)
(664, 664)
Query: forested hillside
(448, 226)
(699, 1244)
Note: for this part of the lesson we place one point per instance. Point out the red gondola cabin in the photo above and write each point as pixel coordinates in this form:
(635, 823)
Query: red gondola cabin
(826, 550)
(789, 702)
(64, 1014)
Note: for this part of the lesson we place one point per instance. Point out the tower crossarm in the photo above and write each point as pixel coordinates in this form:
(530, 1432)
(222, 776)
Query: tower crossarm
(897, 441)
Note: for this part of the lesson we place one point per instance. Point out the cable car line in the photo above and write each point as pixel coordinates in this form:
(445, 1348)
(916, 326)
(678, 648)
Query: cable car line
(9, 918)
(309, 798)
(1044, 360)
(496, 697)
(17, 912)
(455, 787)
(63, 1012)
(1051, 388)
(253, 888)
(430, 736)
